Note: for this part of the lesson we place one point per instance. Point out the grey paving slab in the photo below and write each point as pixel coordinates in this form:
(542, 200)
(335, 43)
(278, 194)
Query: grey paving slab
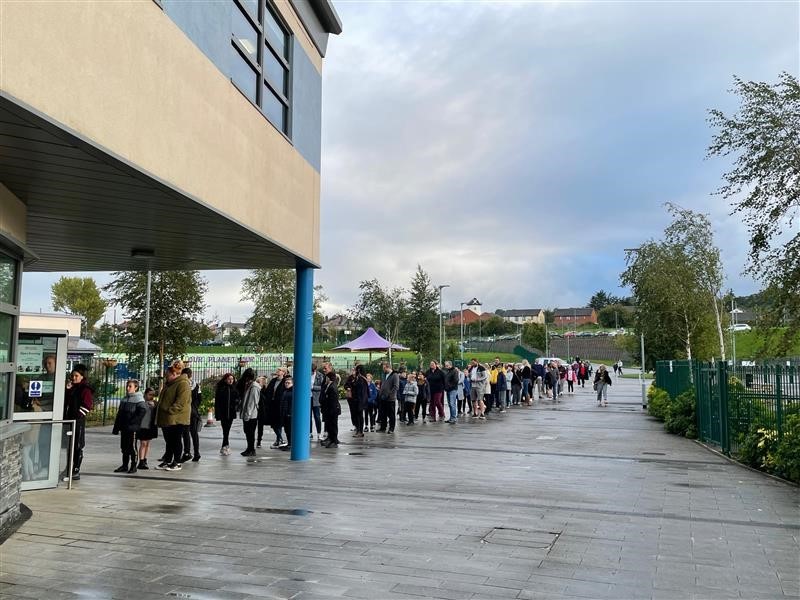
(570, 501)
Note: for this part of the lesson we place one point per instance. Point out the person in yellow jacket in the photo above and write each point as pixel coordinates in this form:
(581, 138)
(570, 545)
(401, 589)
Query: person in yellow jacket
(174, 414)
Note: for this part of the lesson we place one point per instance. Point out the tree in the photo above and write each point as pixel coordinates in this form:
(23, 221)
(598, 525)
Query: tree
(692, 231)
(79, 296)
(533, 335)
(383, 309)
(422, 320)
(176, 305)
(764, 186)
(497, 325)
(601, 299)
(549, 315)
(615, 315)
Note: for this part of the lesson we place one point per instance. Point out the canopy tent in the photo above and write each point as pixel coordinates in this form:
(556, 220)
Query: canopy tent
(370, 341)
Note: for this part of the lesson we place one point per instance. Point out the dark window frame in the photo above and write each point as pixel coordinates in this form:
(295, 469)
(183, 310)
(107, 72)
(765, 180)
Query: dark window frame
(12, 310)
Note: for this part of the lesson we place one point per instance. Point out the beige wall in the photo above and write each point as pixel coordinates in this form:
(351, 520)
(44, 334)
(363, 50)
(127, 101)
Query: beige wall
(67, 323)
(123, 76)
(13, 215)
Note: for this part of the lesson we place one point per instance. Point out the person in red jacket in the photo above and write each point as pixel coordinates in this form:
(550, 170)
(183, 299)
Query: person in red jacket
(78, 402)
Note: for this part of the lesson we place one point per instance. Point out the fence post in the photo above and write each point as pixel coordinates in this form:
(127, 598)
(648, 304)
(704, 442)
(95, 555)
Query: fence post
(778, 401)
(722, 382)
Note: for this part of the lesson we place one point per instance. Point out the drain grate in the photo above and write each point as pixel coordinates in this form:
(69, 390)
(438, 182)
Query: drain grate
(526, 538)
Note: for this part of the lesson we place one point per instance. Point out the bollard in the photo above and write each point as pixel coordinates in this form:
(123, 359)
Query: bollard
(210, 422)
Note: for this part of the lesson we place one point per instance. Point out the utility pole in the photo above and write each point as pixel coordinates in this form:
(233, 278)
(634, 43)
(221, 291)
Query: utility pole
(462, 331)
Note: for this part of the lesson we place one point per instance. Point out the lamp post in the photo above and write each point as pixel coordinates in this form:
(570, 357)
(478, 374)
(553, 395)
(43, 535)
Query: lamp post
(440, 288)
(630, 251)
(108, 363)
(462, 331)
(734, 311)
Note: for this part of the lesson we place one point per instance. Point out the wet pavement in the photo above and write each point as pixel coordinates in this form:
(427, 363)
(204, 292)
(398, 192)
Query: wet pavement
(555, 501)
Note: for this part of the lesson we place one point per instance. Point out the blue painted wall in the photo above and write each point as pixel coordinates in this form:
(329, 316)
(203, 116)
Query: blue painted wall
(207, 24)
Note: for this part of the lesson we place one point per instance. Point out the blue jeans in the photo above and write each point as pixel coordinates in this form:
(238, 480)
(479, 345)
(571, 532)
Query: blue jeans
(526, 386)
(452, 402)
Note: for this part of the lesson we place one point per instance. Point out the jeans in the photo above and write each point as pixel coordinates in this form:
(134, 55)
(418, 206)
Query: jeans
(191, 434)
(421, 405)
(369, 416)
(526, 389)
(315, 414)
(173, 436)
(452, 403)
(437, 404)
(516, 394)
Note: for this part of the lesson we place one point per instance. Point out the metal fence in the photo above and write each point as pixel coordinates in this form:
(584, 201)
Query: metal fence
(731, 400)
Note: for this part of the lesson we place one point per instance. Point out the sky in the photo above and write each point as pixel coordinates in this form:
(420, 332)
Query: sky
(515, 149)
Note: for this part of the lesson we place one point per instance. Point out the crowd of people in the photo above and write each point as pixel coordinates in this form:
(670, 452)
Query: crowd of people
(376, 405)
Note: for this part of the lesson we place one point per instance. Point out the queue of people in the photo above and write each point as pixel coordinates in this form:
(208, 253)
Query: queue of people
(375, 406)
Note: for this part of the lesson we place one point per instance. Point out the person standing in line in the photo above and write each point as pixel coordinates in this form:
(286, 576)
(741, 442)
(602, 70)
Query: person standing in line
(500, 389)
(403, 379)
(436, 383)
(478, 384)
(372, 404)
(460, 395)
(509, 372)
(287, 400)
(538, 374)
(387, 398)
(348, 394)
(273, 400)
(148, 430)
(317, 380)
(226, 404)
(127, 423)
(360, 399)
(451, 389)
(249, 391)
(331, 409)
(410, 393)
(516, 385)
(602, 380)
(174, 414)
(191, 435)
(423, 398)
(525, 376)
(467, 392)
(78, 402)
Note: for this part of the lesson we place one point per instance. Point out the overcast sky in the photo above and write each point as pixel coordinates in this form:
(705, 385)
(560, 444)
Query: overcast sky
(515, 149)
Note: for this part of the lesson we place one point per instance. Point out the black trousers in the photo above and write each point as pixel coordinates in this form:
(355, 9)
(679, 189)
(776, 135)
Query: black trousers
(250, 433)
(369, 416)
(287, 427)
(358, 418)
(126, 445)
(386, 412)
(226, 430)
(80, 443)
(173, 435)
(191, 436)
(261, 424)
(421, 405)
(408, 411)
(332, 427)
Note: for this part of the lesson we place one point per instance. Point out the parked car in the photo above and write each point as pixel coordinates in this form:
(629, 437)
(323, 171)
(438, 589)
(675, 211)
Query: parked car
(740, 327)
(585, 334)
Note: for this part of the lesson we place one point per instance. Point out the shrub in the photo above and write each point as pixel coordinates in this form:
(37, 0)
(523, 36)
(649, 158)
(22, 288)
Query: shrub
(757, 446)
(680, 415)
(786, 458)
(657, 402)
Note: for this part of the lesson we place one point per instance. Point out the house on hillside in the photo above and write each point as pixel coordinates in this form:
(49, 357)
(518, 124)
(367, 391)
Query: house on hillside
(573, 317)
(522, 315)
(336, 327)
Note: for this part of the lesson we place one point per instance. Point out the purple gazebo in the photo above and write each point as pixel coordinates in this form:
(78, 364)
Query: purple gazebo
(370, 341)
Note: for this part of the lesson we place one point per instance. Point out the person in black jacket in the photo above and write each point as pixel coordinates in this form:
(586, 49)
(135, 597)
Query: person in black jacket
(272, 405)
(78, 402)
(360, 393)
(127, 423)
(287, 399)
(226, 404)
(193, 431)
(331, 409)
(435, 379)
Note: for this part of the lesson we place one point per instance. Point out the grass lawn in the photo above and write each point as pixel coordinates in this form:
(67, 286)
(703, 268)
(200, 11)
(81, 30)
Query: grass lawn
(749, 343)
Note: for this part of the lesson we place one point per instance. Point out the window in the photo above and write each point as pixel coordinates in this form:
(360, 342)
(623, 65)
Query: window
(9, 314)
(260, 65)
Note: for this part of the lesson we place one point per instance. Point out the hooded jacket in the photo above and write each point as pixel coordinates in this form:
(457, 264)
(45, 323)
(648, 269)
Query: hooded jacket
(130, 414)
(79, 401)
(175, 403)
(250, 401)
(226, 402)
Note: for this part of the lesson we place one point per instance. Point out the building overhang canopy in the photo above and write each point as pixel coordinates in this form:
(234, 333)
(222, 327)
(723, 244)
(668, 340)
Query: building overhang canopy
(88, 210)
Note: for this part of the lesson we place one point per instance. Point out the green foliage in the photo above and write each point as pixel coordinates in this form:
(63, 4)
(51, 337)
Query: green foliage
(615, 315)
(422, 319)
(657, 402)
(787, 454)
(383, 309)
(497, 325)
(272, 292)
(176, 305)
(79, 296)
(534, 335)
(451, 351)
(763, 186)
(680, 415)
(601, 299)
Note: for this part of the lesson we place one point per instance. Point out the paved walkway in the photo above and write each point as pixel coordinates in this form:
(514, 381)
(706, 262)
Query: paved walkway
(566, 500)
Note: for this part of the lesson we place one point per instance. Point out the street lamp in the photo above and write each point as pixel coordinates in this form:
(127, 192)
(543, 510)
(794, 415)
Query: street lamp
(440, 288)
(734, 311)
(641, 369)
(463, 304)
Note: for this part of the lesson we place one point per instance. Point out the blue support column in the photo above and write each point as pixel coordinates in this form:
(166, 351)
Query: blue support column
(303, 328)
